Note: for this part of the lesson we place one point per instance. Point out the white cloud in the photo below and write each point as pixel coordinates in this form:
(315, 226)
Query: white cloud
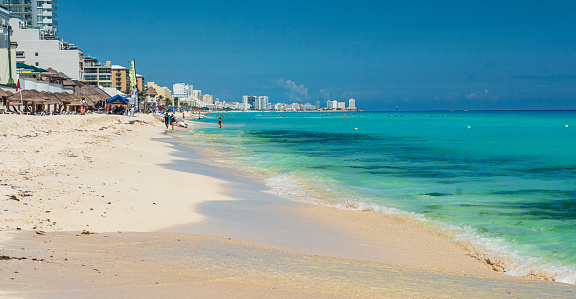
(471, 96)
(294, 91)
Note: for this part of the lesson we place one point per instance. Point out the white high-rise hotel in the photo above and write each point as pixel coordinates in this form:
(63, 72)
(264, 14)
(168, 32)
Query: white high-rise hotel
(37, 14)
(182, 90)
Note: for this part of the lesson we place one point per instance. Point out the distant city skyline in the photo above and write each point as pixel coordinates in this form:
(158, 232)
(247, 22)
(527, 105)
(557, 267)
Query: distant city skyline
(415, 55)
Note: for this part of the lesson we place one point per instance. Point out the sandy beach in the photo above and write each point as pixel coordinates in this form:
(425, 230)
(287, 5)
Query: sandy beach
(108, 206)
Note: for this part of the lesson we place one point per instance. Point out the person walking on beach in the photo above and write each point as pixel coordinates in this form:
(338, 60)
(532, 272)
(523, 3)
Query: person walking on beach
(220, 122)
(172, 120)
(166, 119)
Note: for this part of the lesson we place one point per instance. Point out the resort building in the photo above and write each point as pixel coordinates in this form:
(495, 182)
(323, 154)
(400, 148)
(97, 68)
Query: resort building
(331, 105)
(4, 23)
(182, 90)
(36, 51)
(35, 14)
(197, 94)
(342, 105)
(249, 101)
(261, 103)
(96, 74)
(121, 79)
(161, 90)
(352, 104)
(208, 99)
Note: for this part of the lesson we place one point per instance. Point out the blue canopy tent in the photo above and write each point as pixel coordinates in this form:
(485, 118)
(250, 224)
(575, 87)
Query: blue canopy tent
(118, 99)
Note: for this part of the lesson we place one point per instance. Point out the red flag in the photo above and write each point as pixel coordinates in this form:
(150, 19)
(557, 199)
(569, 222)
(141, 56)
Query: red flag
(18, 86)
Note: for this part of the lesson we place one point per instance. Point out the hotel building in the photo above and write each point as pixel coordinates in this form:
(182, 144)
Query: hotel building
(182, 90)
(96, 74)
(35, 14)
(331, 105)
(39, 52)
(161, 90)
(121, 79)
(352, 104)
(208, 99)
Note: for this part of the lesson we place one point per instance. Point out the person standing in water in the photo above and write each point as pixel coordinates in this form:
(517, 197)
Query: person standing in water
(220, 122)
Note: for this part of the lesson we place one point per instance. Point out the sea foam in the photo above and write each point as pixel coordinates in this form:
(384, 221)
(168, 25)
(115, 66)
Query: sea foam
(490, 250)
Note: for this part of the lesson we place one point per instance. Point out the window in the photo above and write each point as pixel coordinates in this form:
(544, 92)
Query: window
(37, 64)
(36, 54)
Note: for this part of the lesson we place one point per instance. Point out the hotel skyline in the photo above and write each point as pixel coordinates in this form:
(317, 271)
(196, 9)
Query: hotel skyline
(37, 14)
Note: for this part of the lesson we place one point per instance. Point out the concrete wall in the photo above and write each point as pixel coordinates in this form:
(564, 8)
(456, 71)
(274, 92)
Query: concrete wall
(31, 83)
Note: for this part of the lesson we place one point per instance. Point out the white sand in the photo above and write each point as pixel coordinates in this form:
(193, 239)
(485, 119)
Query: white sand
(73, 173)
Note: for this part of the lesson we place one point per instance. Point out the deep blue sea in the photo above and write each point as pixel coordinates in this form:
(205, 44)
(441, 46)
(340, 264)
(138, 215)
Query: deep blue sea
(503, 181)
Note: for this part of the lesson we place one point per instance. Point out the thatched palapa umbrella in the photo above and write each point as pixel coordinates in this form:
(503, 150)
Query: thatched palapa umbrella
(4, 94)
(150, 92)
(25, 98)
(94, 96)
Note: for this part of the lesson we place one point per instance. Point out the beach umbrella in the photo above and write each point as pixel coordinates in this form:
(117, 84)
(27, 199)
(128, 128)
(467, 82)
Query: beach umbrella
(4, 94)
(92, 94)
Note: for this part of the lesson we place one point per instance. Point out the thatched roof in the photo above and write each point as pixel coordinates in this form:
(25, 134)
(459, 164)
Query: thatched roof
(150, 91)
(27, 96)
(68, 82)
(50, 72)
(50, 98)
(68, 99)
(33, 96)
(5, 93)
(91, 94)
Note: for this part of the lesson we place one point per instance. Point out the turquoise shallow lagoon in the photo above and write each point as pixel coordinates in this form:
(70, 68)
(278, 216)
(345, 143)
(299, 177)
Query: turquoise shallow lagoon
(503, 180)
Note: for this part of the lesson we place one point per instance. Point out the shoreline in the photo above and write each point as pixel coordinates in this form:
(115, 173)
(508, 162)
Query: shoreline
(138, 202)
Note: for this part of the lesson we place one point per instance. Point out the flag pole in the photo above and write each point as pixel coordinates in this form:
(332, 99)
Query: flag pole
(21, 100)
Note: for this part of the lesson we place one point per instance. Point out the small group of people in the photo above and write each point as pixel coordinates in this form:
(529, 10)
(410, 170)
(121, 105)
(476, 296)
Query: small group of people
(169, 120)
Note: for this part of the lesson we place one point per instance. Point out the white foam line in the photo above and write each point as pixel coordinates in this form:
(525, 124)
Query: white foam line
(491, 250)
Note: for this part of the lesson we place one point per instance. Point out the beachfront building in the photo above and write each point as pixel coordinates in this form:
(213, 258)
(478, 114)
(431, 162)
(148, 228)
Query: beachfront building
(182, 90)
(331, 105)
(35, 14)
(317, 105)
(208, 99)
(4, 23)
(161, 90)
(308, 107)
(197, 95)
(261, 103)
(121, 79)
(36, 51)
(341, 105)
(96, 74)
(352, 104)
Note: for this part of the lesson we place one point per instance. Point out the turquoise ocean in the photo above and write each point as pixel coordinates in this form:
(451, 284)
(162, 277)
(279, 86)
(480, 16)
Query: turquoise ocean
(504, 182)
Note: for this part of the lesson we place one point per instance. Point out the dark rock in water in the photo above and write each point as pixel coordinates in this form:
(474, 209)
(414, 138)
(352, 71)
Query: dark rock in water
(437, 194)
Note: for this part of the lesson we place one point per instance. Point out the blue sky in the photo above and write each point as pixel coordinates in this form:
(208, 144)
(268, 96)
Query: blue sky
(412, 54)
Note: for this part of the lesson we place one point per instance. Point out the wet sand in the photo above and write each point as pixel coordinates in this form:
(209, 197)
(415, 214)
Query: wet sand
(170, 225)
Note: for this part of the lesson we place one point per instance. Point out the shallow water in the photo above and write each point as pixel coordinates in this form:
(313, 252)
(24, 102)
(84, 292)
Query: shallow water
(503, 180)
